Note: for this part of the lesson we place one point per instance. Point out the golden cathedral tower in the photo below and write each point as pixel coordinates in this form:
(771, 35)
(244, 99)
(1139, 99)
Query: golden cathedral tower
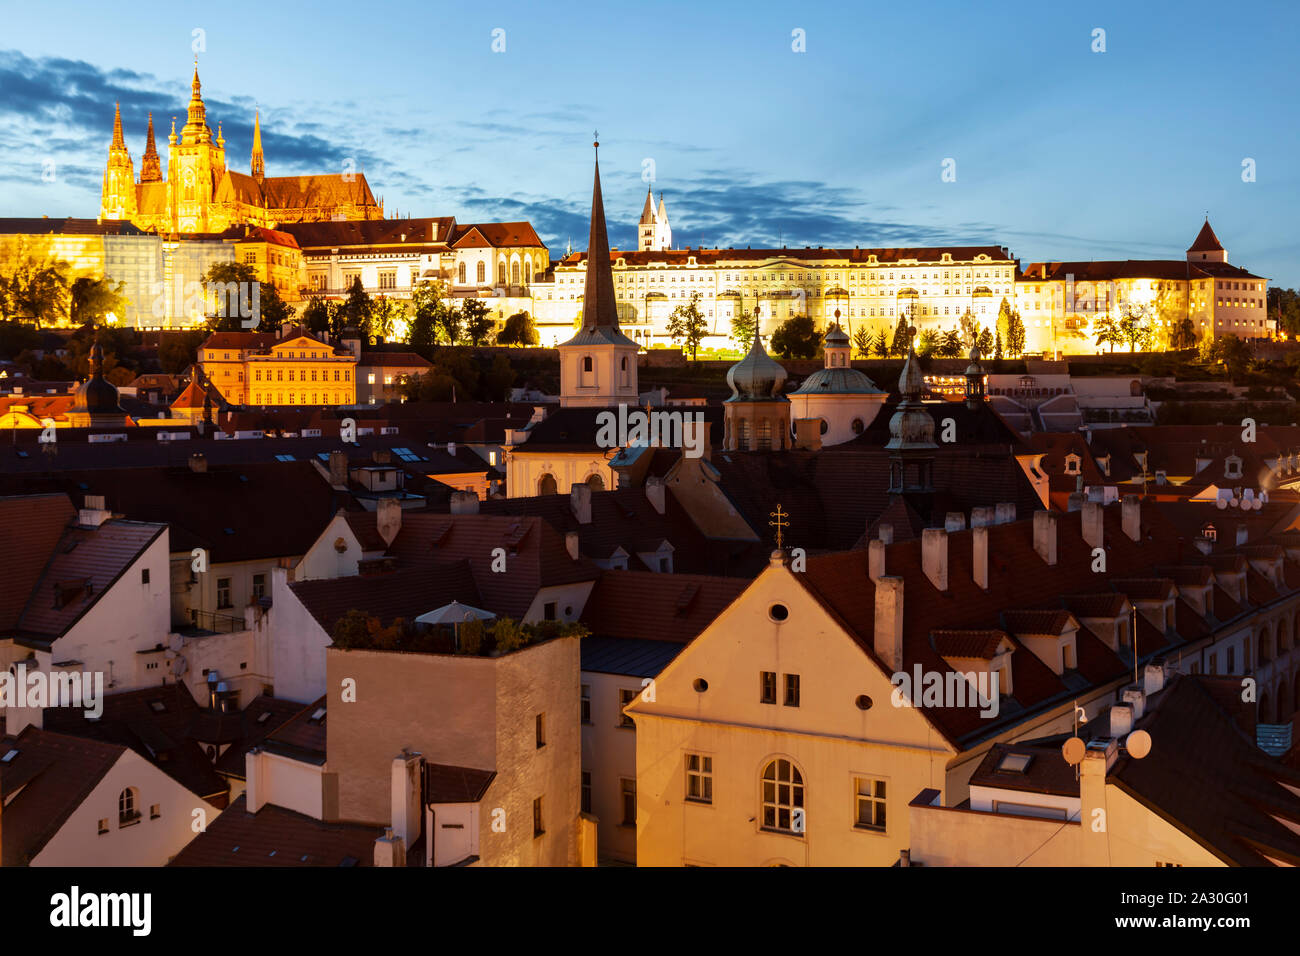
(200, 194)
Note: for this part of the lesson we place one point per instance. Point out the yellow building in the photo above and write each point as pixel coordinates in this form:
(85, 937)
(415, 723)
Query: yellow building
(255, 368)
(276, 259)
(200, 194)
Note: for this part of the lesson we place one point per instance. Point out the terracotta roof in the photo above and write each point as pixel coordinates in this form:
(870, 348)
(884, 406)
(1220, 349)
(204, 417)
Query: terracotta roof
(495, 235)
(663, 607)
(1206, 240)
(394, 360)
(247, 341)
(922, 254)
(1054, 622)
(56, 773)
(371, 232)
(1145, 589)
(975, 645)
(303, 736)
(34, 525)
(275, 836)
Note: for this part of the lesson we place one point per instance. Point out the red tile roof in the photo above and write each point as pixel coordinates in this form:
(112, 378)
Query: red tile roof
(1052, 622)
(34, 525)
(445, 783)
(664, 607)
(968, 645)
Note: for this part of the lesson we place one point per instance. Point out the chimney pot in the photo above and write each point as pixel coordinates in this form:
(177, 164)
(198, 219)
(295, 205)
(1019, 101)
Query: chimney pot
(888, 636)
(980, 557)
(1075, 501)
(1005, 512)
(580, 503)
(655, 493)
(876, 559)
(934, 556)
(1045, 535)
(1092, 524)
(954, 521)
(1121, 720)
(886, 533)
(983, 517)
(1131, 516)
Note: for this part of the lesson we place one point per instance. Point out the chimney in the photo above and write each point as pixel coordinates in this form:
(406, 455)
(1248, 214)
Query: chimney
(1131, 515)
(390, 849)
(406, 808)
(464, 503)
(1045, 535)
(934, 556)
(198, 464)
(1074, 502)
(886, 533)
(888, 639)
(1005, 512)
(655, 493)
(1096, 493)
(1242, 534)
(339, 469)
(571, 544)
(982, 517)
(451, 448)
(1097, 761)
(954, 521)
(1092, 524)
(808, 433)
(580, 503)
(1121, 720)
(1136, 701)
(1153, 679)
(876, 559)
(388, 519)
(980, 557)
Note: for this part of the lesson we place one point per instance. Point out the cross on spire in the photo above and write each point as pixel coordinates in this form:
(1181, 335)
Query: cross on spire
(779, 523)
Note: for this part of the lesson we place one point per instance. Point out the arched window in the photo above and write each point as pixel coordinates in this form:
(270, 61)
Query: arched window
(482, 272)
(782, 794)
(586, 363)
(622, 371)
(528, 271)
(126, 811)
(514, 273)
(595, 483)
(546, 485)
(460, 273)
(501, 273)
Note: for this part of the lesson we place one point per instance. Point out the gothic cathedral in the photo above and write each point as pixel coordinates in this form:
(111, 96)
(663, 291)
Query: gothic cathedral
(201, 195)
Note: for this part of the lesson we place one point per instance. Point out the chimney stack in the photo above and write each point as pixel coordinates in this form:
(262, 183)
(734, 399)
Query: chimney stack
(388, 519)
(1131, 515)
(886, 533)
(571, 544)
(1242, 534)
(1045, 535)
(199, 464)
(1092, 524)
(464, 503)
(980, 557)
(888, 637)
(934, 556)
(1005, 512)
(580, 503)
(1121, 720)
(339, 469)
(1136, 701)
(1075, 501)
(983, 517)
(1153, 679)
(654, 492)
(954, 521)
(876, 559)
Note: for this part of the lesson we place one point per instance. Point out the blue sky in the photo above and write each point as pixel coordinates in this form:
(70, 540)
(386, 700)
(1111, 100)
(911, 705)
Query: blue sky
(1060, 152)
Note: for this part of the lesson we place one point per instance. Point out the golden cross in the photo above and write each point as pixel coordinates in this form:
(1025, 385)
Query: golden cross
(780, 523)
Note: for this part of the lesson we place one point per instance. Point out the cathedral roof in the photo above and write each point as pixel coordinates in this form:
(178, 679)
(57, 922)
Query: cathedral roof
(325, 189)
(648, 211)
(151, 198)
(238, 187)
(1206, 240)
(495, 235)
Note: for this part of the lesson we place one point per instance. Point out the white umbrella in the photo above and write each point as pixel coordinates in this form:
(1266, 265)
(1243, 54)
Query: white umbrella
(454, 613)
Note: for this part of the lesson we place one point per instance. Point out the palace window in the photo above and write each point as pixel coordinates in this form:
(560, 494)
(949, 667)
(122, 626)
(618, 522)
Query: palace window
(699, 778)
(482, 272)
(782, 792)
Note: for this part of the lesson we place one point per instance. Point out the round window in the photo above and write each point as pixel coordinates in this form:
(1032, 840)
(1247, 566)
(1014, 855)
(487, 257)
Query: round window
(778, 612)
(864, 702)
(701, 685)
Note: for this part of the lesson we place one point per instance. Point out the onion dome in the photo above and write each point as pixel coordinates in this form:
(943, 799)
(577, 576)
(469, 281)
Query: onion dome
(96, 394)
(911, 426)
(757, 376)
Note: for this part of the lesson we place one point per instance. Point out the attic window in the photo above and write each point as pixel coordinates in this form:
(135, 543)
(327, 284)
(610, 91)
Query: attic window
(264, 717)
(157, 706)
(1014, 763)
(1210, 533)
(1072, 465)
(284, 458)
(318, 716)
(8, 758)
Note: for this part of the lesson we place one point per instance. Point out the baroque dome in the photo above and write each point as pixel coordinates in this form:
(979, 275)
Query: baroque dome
(757, 376)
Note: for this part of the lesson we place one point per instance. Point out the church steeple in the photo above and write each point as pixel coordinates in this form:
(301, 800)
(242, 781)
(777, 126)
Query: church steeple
(258, 165)
(196, 122)
(150, 168)
(599, 307)
(117, 198)
(118, 141)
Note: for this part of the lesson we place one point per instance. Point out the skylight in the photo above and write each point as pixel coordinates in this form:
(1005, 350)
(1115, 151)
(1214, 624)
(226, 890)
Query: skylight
(319, 715)
(1014, 763)
(8, 758)
(284, 458)
(158, 707)
(263, 717)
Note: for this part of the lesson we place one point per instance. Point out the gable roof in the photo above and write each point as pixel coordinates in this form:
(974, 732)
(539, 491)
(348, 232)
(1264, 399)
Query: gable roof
(34, 525)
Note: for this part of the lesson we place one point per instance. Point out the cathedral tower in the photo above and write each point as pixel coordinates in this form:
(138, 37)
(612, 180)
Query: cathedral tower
(598, 365)
(193, 166)
(258, 166)
(150, 169)
(653, 231)
(117, 200)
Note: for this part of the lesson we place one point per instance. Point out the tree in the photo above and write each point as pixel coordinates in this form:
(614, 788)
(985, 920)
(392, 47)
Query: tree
(318, 315)
(1015, 335)
(984, 342)
(18, 337)
(1133, 328)
(500, 378)
(997, 344)
(230, 290)
(969, 330)
(1234, 354)
(426, 310)
(862, 341)
(796, 337)
(687, 324)
(274, 311)
(1004, 317)
(902, 337)
(34, 283)
(1284, 305)
(478, 321)
(1183, 335)
(881, 346)
(177, 351)
(448, 324)
(93, 300)
(356, 311)
(386, 316)
(925, 348)
(950, 344)
(508, 635)
(518, 330)
(743, 327)
(1107, 330)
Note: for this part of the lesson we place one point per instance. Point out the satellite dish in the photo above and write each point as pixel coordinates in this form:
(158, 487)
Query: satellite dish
(1138, 744)
(1073, 750)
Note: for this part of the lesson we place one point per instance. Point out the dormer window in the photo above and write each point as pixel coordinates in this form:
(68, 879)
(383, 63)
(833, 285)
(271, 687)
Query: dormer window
(1072, 463)
(1232, 467)
(1210, 533)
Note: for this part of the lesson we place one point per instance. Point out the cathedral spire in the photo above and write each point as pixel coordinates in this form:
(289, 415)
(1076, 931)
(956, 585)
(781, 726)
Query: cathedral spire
(150, 169)
(196, 122)
(259, 165)
(118, 141)
(599, 307)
